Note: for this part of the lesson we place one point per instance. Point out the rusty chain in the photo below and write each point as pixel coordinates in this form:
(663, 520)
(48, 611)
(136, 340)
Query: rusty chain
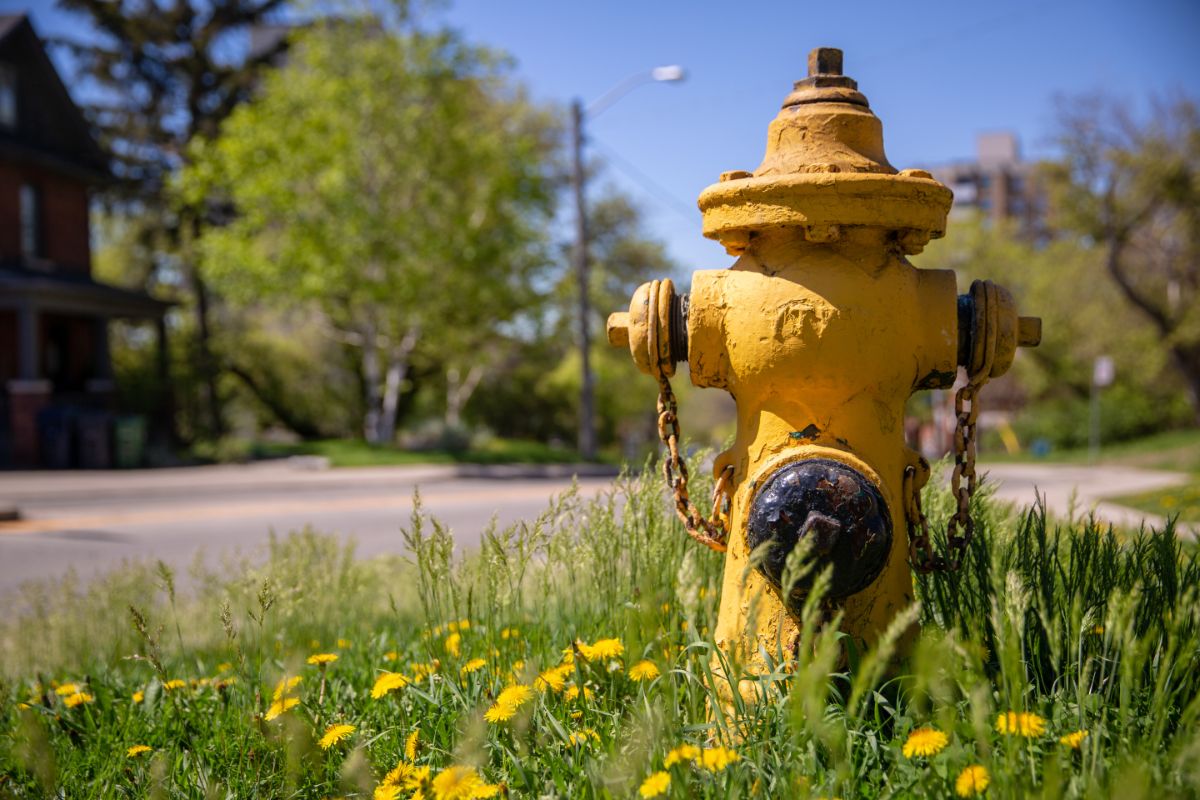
(711, 531)
(961, 526)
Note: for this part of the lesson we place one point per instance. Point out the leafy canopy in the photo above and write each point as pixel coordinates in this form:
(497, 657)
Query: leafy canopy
(394, 179)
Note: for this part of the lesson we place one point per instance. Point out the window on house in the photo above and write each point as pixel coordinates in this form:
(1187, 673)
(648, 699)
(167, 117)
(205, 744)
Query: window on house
(31, 222)
(8, 97)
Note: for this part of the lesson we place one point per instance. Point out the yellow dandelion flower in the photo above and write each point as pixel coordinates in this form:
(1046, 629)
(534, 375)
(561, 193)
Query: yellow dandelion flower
(464, 624)
(453, 644)
(1074, 739)
(581, 737)
(410, 745)
(285, 686)
(334, 734)
(386, 791)
(568, 655)
(344, 644)
(139, 696)
(509, 633)
(574, 692)
(643, 671)
(1023, 723)
(554, 678)
(576, 715)
(390, 655)
(683, 626)
(64, 689)
(174, 684)
(474, 665)
(972, 780)
(603, 648)
(715, 759)
(681, 755)
(703, 592)
(461, 783)
(518, 666)
(280, 706)
(322, 658)
(23, 706)
(224, 666)
(386, 682)
(925, 742)
(79, 698)
(1098, 630)
(656, 785)
(507, 703)
(397, 775)
(226, 682)
(417, 776)
(137, 750)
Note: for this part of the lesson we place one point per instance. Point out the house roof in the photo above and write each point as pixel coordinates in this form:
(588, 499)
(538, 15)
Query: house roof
(66, 293)
(50, 128)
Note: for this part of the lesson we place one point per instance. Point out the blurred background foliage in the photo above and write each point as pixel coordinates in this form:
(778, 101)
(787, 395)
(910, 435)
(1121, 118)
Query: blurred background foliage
(377, 248)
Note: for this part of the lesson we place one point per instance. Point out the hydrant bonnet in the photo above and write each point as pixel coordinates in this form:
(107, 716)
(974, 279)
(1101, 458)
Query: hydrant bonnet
(824, 168)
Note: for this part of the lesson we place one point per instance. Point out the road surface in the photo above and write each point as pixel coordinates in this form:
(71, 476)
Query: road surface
(92, 521)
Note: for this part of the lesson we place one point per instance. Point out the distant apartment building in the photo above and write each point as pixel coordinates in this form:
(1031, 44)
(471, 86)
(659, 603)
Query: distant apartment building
(998, 184)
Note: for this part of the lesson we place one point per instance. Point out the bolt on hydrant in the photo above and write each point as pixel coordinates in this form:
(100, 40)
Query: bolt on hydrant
(821, 330)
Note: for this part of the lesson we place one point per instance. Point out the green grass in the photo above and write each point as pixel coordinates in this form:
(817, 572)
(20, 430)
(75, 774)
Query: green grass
(1170, 450)
(1087, 629)
(1181, 501)
(357, 453)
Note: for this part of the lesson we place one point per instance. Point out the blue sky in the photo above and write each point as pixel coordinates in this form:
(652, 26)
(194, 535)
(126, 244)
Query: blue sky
(936, 72)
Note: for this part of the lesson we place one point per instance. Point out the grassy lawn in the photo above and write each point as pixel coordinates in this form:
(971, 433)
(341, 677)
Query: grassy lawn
(357, 453)
(1173, 450)
(572, 657)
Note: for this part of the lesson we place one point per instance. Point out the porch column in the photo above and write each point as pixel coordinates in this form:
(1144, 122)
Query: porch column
(28, 394)
(29, 348)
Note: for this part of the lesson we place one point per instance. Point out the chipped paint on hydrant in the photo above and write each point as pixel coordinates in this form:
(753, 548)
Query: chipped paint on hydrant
(821, 330)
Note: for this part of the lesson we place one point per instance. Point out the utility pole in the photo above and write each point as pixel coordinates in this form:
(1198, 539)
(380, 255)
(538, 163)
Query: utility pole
(587, 389)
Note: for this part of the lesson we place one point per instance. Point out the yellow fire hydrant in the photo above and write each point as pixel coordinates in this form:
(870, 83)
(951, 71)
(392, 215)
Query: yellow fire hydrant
(821, 330)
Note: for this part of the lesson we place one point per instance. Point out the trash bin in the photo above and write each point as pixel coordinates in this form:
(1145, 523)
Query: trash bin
(129, 441)
(55, 434)
(95, 446)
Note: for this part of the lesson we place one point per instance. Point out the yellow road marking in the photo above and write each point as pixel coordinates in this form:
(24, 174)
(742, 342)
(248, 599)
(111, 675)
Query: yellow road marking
(267, 508)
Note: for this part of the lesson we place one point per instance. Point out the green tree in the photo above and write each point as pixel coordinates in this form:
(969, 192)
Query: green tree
(1132, 187)
(159, 74)
(1082, 318)
(393, 183)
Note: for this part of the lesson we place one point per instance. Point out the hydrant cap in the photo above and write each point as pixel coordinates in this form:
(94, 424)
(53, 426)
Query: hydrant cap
(825, 166)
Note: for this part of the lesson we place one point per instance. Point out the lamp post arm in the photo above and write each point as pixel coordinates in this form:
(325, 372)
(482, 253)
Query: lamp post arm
(601, 103)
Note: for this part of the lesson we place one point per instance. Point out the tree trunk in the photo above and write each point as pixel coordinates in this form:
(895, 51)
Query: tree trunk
(205, 359)
(1187, 361)
(459, 391)
(396, 371)
(371, 396)
(275, 403)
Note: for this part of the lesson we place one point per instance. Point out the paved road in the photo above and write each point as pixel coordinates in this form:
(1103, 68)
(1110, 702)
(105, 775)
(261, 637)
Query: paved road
(93, 521)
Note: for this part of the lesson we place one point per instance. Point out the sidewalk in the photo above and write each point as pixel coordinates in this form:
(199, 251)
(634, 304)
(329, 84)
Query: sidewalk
(1072, 489)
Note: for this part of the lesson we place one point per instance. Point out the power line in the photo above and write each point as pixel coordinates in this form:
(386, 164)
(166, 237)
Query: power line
(648, 184)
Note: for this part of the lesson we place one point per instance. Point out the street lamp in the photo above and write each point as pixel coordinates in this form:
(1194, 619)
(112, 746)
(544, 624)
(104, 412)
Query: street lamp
(587, 399)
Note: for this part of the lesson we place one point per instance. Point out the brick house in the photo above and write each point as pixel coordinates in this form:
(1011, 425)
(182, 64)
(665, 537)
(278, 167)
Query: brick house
(57, 395)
